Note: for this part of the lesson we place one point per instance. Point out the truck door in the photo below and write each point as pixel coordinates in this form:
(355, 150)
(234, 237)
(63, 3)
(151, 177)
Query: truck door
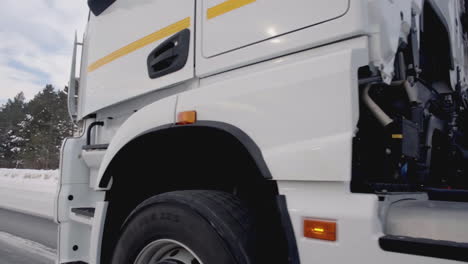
(233, 24)
(135, 47)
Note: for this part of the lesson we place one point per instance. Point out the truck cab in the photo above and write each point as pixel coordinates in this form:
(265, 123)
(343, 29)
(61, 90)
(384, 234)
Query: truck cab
(267, 131)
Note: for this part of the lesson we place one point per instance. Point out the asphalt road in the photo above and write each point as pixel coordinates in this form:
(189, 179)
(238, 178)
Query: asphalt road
(29, 227)
(14, 255)
(33, 228)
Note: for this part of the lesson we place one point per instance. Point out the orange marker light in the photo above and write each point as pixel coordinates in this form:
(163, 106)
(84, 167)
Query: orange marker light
(187, 117)
(323, 230)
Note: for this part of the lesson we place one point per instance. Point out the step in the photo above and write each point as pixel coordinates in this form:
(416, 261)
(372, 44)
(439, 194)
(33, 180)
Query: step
(83, 215)
(85, 211)
(96, 147)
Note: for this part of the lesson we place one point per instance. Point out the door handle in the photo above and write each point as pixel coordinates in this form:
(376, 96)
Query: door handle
(170, 56)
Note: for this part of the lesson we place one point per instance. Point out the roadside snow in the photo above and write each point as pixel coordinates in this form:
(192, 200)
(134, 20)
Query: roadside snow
(29, 191)
(28, 246)
(29, 180)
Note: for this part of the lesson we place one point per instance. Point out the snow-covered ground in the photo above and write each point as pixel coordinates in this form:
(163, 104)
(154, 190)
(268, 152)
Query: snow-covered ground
(29, 191)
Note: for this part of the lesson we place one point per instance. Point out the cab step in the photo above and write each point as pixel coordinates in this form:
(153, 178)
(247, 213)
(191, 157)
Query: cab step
(95, 147)
(84, 211)
(83, 215)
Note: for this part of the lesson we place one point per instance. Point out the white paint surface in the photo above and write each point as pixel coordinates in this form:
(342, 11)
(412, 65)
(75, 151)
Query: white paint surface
(263, 19)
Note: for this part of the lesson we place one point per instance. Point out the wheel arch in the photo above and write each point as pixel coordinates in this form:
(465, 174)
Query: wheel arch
(228, 130)
(170, 158)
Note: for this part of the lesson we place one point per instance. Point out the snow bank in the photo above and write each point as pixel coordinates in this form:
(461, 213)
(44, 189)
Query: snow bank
(29, 191)
(29, 180)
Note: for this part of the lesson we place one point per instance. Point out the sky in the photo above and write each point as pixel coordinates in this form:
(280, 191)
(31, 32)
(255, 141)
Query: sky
(36, 41)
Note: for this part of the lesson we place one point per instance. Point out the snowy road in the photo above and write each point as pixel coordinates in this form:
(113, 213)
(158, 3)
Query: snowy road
(17, 231)
(26, 213)
(18, 251)
(27, 205)
(13, 255)
(29, 227)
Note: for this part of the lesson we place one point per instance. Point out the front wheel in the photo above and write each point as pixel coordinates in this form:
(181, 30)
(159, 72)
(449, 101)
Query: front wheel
(187, 227)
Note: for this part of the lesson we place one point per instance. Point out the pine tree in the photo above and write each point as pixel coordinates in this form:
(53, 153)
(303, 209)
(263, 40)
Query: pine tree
(31, 132)
(47, 128)
(11, 142)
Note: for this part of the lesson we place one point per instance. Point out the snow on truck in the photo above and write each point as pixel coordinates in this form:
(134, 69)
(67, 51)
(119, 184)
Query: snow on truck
(268, 131)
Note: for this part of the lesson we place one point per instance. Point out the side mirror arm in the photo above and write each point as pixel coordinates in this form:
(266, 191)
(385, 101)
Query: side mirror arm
(73, 85)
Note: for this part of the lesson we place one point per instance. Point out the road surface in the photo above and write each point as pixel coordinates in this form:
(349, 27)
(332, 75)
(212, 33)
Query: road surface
(10, 254)
(33, 228)
(17, 231)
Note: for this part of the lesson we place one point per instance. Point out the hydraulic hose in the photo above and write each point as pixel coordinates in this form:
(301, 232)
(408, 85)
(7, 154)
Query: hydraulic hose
(379, 114)
(412, 96)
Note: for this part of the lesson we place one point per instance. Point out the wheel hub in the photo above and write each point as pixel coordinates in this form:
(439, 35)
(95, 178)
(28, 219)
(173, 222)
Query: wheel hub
(166, 251)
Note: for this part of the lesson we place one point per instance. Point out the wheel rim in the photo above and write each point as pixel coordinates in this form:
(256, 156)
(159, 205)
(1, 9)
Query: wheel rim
(167, 251)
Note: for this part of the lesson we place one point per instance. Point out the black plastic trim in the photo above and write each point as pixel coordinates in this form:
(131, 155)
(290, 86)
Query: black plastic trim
(240, 135)
(96, 147)
(453, 195)
(170, 56)
(425, 247)
(99, 6)
(90, 129)
(293, 252)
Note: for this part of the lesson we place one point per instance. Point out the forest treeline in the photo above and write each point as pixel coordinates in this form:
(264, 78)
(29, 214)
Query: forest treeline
(31, 132)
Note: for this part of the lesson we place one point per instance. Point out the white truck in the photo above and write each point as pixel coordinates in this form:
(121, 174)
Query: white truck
(268, 131)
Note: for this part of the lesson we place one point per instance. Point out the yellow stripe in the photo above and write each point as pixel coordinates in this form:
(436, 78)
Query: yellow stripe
(397, 136)
(158, 35)
(226, 6)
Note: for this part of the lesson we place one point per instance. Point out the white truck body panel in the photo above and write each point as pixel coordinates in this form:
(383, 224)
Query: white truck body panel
(140, 21)
(259, 100)
(261, 20)
(353, 23)
(428, 219)
(74, 181)
(359, 225)
(232, 99)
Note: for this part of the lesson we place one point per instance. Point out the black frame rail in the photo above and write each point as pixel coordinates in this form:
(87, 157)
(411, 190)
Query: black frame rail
(425, 247)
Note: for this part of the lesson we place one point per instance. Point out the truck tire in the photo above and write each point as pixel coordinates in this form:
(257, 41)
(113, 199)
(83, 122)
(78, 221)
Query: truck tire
(187, 227)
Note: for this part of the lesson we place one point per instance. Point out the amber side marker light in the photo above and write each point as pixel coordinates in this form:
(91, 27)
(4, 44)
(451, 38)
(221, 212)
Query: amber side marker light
(323, 230)
(186, 118)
